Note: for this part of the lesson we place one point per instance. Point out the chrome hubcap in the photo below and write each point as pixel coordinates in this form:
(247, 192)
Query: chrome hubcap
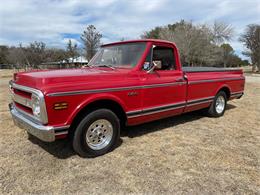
(99, 134)
(220, 104)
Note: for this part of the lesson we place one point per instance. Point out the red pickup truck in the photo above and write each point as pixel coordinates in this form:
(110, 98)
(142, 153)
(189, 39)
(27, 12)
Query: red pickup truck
(125, 83)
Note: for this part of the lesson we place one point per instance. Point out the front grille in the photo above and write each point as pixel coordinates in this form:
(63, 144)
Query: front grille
(22, 100)
(24, 108)
(22, 93)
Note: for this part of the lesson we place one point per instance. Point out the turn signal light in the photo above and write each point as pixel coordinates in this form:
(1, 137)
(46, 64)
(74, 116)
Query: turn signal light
(60, 106)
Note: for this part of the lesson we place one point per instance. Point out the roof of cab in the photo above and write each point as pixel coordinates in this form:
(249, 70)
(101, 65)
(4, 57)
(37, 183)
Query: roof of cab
(139, 40)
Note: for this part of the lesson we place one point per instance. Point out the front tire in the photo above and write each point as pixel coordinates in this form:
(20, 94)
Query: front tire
(97, 133)
(218, 106)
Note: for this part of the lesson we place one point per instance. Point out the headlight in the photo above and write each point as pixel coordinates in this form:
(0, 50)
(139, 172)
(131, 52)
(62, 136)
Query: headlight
(36, 108)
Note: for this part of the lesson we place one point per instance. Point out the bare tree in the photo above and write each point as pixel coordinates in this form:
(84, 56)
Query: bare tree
(72, 50)
(251, 40)
(198, 44)
(55, 55)
(91, 39)
(221, 32)
(194, 43)
(227, 52)
(3, 54)
(152, 34)
(182, 36)
(35, 53)
(17, 57)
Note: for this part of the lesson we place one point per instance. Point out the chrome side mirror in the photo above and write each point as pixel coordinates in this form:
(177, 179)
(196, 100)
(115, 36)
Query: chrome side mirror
(156, 65)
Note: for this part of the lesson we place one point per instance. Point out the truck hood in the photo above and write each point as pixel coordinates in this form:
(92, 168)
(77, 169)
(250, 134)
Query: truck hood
(71, 79)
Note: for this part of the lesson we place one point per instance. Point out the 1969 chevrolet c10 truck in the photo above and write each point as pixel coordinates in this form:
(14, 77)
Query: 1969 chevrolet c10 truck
(125, 83)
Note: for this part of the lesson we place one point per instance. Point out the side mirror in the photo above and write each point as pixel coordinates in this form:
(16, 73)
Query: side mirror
(156, 65)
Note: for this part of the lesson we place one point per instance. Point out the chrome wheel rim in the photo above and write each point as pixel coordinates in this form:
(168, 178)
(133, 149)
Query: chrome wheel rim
(99, 134)
(220, 104)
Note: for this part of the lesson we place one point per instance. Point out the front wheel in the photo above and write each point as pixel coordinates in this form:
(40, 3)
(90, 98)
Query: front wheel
(218, 106)
(97, 133)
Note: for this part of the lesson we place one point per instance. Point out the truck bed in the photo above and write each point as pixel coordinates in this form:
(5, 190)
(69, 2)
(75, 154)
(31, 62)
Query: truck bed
(208, 69)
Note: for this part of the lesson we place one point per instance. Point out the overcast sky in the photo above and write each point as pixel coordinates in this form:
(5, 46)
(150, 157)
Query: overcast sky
(56, 21)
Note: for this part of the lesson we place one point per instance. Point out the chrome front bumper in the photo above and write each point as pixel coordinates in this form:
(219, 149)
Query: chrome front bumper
(44, 133)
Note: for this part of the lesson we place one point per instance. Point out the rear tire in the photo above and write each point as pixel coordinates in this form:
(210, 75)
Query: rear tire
(218, 106)
(97, 133)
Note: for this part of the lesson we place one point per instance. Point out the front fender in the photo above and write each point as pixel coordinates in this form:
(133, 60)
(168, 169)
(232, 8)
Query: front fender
(94, 98)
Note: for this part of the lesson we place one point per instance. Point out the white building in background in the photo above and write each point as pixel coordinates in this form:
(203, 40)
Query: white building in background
(66, 63)
(80, 59)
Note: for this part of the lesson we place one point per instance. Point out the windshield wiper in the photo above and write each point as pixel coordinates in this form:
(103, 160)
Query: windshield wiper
(105, 65)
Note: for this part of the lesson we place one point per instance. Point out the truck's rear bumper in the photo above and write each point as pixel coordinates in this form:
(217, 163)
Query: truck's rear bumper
(44, 133)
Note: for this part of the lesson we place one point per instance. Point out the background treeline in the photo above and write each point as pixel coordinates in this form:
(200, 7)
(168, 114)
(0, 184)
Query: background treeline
(199, 45)
(32, 55)
(36, 53)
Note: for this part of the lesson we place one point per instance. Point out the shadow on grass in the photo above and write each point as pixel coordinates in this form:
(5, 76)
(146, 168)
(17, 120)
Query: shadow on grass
(60, 148)
(150, 127)
(135, 131)
(63, 148)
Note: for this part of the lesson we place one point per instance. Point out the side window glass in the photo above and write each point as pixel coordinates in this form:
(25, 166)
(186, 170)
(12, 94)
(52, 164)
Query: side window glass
(165, 57)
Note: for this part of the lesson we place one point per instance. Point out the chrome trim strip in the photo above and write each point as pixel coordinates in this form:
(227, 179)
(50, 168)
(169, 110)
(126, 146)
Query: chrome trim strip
(62, 133)
(154, 112)
(237, 92)
(61, 127)
(158, 109)
(133, 112)
(89, 91)
(22, 100)
(43, 115)
(154, 108)
(215, 80)
(200, 99)
(208, 69)
(236, 95)
(202, 102)
(162, 85)
(80, 92)
(194, 102)
(114, 89)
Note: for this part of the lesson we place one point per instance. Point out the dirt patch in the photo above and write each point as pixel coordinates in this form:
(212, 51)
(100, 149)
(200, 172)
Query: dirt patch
(184, 154)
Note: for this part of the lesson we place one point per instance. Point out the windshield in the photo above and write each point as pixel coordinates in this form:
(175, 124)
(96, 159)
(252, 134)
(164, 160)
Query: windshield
(122, 55)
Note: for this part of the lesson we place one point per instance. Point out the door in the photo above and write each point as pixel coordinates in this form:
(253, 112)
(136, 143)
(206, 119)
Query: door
(164, 88)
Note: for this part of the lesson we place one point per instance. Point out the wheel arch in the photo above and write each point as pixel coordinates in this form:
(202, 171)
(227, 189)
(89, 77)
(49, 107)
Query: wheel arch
(101, 101)
(226, 89)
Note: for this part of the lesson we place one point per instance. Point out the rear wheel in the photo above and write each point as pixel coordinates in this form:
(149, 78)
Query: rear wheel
(97, 133)
(218, 106)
